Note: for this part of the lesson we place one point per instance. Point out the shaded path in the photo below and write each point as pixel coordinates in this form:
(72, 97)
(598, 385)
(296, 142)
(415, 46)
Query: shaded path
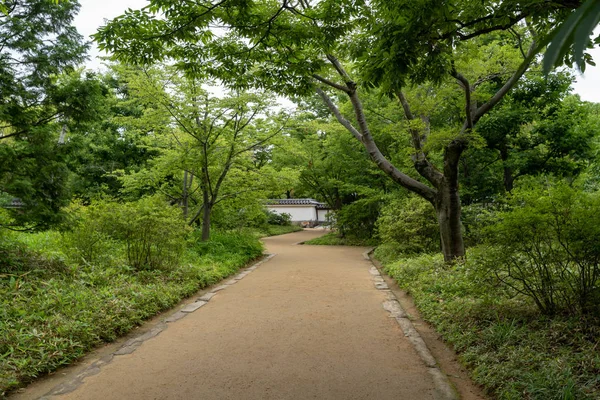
(306, 324)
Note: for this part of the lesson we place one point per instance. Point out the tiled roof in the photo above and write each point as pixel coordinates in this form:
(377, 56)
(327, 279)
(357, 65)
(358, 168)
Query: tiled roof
(297, 202)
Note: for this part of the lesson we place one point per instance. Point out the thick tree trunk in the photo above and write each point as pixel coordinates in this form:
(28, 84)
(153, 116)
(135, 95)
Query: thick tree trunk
(448, 211)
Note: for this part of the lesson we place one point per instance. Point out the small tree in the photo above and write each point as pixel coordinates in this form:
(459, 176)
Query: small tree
(210, 137)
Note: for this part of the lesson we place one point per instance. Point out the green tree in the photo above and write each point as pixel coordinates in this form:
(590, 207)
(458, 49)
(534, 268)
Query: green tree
(538, 128)
(38, 102)
(211, 143)
(297, 47)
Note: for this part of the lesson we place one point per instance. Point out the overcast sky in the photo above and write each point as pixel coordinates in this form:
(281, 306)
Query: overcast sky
(94, 12)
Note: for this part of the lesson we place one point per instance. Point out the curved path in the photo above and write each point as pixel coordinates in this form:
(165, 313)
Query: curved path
(307, 324)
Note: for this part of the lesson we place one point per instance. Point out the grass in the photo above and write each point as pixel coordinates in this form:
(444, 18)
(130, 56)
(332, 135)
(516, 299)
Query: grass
(332, 239)
(513, 351)
(275, 230)
(53, 311)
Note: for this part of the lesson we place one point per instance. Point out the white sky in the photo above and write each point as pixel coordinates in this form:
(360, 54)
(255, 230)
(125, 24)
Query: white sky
(94, 12)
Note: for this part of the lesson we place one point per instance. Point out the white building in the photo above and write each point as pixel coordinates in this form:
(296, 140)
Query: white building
(303, 211)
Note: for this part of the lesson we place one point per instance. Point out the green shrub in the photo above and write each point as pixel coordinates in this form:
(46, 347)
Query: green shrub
(282, 219)
(227, 243)
(88, 240)
(549, 247)
(357, 220)
(150, 233)
(476, 218)
(410, 225)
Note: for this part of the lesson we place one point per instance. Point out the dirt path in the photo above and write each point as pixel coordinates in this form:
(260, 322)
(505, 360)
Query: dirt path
(306, 324)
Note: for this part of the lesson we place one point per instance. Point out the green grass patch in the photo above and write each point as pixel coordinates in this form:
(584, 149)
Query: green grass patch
(53, 311)
(512, 350)
(275, 230)
(332, 239)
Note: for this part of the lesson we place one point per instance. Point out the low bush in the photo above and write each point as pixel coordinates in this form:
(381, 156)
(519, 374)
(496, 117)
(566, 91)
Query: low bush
(409, 224)
(148, 233)
(549, 247)
(356, 220)
(283, 219)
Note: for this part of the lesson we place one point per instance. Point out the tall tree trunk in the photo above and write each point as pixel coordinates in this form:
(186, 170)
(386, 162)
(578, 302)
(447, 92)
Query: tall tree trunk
(448, 209)
(509, 178)
(206, 217)
(184, 196)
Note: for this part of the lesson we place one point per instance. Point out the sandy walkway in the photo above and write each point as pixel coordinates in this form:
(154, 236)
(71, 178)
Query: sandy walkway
(308, 324)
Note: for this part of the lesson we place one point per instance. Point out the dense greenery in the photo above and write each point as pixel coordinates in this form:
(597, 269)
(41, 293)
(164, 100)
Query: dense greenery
(427, 127)
(512, 351)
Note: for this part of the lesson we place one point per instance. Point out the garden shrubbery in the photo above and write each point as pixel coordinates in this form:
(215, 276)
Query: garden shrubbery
(548, 247)
(409, 225)
(523, 308)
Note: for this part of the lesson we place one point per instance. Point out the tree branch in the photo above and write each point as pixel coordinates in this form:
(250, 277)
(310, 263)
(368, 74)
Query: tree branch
(464, 83)
(331, 83)
(422, 164)
(366, 139)
(512, 81)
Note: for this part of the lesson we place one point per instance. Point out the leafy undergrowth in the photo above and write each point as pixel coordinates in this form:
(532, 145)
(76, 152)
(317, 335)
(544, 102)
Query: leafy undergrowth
(52, 312)
(511, 349)
(275, 230)
(332, 239)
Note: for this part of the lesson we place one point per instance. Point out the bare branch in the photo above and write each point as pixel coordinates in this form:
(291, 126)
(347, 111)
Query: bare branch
(331, 83)
(338, 115)
(464, 83)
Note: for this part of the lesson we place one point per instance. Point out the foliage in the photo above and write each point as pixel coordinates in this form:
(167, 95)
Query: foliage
(300, 48)
(574, 33)
(209, 147)
(538, 128)
(511, 350)
(150, 233)
(409, 225)
(357, 220)
(38, 47)
(275, 218)
(53, 312)
(549, 247)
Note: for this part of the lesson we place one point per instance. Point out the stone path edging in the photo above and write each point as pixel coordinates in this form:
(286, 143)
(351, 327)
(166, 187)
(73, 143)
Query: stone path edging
(132, 344)
(444, 388)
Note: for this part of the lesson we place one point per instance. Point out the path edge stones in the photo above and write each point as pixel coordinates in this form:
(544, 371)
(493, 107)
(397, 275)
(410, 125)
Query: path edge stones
(443, 386)
(132, 344)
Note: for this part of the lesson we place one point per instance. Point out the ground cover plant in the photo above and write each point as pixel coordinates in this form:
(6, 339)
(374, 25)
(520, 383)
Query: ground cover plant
(55, 309)
(275, 230)
(333, 239)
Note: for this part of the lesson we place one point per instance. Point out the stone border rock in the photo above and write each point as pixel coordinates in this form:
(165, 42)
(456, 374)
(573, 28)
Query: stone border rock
(444, 389)
(132, 344)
